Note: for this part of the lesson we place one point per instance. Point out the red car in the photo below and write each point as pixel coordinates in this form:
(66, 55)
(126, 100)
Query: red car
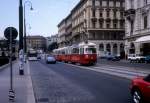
(140, 89)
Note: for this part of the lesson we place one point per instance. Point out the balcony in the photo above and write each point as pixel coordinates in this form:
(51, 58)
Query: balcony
(94, 19)
(130, 14)
(101, 19)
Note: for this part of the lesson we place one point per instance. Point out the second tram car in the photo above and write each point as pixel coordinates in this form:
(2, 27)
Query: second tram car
(83, 53)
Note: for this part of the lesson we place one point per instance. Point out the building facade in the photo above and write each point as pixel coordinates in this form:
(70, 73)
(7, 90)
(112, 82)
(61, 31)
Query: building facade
(61, 33)
(51, 39)
(36, 42)
(100, 22)
(137, 18)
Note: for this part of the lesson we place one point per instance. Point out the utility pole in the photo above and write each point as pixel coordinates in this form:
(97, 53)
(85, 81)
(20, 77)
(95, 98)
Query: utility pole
(20, 25)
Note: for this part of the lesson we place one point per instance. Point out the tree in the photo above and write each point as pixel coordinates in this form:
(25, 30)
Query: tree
(52, 46)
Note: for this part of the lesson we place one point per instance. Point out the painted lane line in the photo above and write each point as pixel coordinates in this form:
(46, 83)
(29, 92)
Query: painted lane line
(110, 71)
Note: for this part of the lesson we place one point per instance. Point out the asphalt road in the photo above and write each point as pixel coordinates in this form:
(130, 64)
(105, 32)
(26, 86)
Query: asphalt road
(61, 83)
(123, 63)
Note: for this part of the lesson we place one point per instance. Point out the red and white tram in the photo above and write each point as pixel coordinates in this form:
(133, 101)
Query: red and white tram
(83, 53)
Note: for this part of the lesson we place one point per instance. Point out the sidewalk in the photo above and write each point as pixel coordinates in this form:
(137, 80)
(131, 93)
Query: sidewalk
(22, 84)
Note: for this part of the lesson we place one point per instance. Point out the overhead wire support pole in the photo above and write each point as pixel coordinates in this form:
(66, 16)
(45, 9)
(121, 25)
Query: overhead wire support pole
(20, 25)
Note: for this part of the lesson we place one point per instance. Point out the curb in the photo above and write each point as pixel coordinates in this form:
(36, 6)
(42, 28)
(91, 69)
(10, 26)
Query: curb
(30, 91)
(4, 66)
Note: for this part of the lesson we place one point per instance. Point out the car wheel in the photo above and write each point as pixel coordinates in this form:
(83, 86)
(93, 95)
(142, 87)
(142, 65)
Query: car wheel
(136, 96)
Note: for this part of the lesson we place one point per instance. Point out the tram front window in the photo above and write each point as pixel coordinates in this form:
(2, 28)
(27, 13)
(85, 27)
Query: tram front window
(90, 50)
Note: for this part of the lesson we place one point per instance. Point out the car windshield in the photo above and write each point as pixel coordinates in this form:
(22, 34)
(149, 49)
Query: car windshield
(32, 55)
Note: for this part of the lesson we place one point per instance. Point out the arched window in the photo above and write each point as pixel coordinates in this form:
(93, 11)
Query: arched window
(115, 49)
(101, 47)
(108, 47)
(121, 47)
(132, 48)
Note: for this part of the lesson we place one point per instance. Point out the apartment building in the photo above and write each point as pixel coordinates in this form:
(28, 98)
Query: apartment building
(137, 18)
(61, 33)
(100, 22)
(36, 42)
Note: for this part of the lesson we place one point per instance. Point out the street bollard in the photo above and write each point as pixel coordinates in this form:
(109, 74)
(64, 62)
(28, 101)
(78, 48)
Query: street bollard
(21, 71)
(11, 95)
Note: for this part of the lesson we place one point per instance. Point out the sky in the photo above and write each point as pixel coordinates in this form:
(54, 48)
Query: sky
(42, 20)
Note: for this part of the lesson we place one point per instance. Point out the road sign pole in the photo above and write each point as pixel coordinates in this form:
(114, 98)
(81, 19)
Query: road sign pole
(11, 34)
(11, 91)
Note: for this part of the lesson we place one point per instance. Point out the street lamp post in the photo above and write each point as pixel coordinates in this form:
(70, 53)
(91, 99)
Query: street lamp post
(20, 25)
(31, 8)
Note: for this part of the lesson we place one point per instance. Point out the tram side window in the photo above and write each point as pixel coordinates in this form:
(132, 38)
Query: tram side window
(63, 52)
(81, 50)
(75, 50)
(90, 50)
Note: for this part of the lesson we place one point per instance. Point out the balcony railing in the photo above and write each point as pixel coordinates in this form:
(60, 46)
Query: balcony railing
(130, 12)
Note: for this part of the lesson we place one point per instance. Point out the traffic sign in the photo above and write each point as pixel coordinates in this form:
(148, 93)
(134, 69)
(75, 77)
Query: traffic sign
(10, 31)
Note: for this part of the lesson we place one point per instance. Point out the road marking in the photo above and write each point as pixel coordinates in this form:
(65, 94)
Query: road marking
(131, 69)
(112, 71)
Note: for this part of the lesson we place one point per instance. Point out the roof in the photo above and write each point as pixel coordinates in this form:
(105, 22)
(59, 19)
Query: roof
(35, 37)
(143, 39)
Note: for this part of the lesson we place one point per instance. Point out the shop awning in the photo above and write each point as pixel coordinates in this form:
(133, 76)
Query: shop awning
(144, 39)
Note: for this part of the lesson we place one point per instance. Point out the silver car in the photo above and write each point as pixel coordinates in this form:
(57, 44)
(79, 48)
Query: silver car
(50, 59)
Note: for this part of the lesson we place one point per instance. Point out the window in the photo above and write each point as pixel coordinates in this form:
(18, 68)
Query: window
(101, 47)
(132, 4)
(114, 3)
(114, 14)
(107, 13)
(75, 50)
(93, 2)
(93, 13)
(121, 24)
(107, 3)
(145, 22)
(81, 50)
(101, 14)
(90, 50)
(121, 14)
(94, 24)
(101, 24)
(100, 2)
(145, 2)
(115, 25)
(108, 25)
(132, 27)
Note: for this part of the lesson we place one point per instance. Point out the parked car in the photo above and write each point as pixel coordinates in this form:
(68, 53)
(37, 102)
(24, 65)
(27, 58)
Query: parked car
(50, 59)
(140, 89)
(147, 59)
(113, 58)
(136, 58)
